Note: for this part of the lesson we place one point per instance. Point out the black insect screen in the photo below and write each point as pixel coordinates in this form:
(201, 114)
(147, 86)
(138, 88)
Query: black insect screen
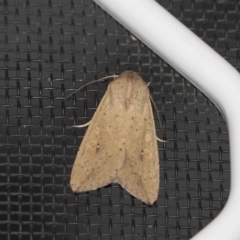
(48, 49)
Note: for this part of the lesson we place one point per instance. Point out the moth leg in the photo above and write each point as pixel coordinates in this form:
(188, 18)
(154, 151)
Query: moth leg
(160, 140)
(83, 125)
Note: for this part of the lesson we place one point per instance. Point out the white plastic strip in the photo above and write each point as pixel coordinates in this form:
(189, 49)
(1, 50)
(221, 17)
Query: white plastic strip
(204, 68)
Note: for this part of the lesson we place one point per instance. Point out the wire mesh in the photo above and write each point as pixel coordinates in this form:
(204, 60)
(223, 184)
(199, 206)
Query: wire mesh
(48, 49)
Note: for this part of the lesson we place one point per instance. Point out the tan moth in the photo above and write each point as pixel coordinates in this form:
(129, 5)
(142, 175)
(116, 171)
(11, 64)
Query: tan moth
(120, 144)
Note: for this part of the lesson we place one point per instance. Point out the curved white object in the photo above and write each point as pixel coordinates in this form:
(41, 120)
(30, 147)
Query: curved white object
(204, 68)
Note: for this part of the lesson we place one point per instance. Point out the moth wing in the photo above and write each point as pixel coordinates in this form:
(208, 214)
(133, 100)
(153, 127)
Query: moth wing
(140, 172)
(96, 163)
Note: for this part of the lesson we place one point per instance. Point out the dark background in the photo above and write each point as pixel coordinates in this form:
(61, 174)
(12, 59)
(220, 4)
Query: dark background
(48, 49)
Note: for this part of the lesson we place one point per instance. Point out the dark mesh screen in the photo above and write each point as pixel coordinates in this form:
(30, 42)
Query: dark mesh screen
(48, 49)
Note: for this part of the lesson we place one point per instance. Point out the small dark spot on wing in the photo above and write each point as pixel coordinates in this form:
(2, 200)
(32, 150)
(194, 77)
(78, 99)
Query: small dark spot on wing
(98, 147)
(141, 155)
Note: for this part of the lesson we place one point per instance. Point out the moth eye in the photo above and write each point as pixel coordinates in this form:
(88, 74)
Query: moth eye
(142, 152)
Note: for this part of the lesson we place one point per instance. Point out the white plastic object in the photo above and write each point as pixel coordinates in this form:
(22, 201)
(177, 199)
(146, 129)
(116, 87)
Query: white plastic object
(204, 68)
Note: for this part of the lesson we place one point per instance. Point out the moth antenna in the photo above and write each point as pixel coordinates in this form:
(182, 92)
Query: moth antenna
(98, 80)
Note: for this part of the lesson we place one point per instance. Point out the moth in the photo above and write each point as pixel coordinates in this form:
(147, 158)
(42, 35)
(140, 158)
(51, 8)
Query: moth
(120, 144)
